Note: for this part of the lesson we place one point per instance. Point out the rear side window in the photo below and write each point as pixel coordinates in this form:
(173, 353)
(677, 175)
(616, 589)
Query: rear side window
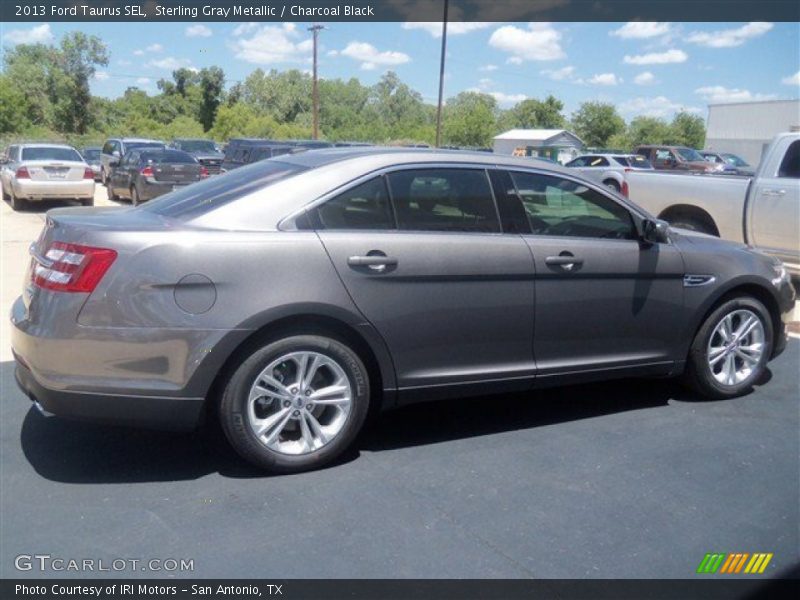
(790, 166)
(208, 194)
(443, 200)
(562, 207)
(365, 206)
(597, 161)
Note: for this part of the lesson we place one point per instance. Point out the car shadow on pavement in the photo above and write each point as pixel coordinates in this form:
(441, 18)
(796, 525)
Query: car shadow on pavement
(42, 206)
(77, 452)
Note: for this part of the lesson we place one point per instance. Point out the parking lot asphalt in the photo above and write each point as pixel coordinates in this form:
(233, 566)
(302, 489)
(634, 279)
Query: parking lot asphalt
(631, 479)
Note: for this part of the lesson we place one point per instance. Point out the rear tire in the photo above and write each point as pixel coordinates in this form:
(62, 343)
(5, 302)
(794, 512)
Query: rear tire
(731, 349)
(110, 192)
(87, 202)
(304, 422)
(17, 204)
(612, 184)
(135, 200)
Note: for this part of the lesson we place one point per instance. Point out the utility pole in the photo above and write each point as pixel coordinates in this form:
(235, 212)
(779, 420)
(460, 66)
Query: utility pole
(441, 77)
(315, 29)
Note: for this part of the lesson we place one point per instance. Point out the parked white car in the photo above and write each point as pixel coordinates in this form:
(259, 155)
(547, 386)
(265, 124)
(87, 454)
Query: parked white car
(762, 211)
(610, 169)
(33, 172)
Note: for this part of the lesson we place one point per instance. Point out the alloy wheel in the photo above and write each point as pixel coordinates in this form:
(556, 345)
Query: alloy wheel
(736, 347)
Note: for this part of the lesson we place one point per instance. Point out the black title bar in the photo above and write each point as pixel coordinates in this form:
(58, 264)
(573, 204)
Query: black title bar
(399, 10)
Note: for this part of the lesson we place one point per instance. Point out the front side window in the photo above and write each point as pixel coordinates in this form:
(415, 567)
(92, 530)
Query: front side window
(443, 200)
(560, 207)
(790, 166)
(365, 206)
(597, 161)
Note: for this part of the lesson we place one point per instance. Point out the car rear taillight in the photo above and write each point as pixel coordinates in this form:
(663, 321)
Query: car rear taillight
(71, 267)
(22, 173)
(624, 189)
(203, 172)
(88, 173)
(147, 171)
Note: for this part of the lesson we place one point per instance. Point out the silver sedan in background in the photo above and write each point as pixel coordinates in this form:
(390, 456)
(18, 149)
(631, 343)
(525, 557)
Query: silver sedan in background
(34, 172)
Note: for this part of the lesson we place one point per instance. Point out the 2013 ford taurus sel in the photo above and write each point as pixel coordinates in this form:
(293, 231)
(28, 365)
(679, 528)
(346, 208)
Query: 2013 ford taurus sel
(294, 295)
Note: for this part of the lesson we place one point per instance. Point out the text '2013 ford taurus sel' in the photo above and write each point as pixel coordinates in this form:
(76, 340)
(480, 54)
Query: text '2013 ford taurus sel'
(295, 294)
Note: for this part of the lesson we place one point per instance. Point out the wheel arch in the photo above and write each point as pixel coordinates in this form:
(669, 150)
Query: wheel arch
(741, 287)
(325, 320)
(692, 212)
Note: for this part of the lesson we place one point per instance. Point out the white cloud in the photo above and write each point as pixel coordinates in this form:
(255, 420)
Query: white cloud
(169, 63)
(540, 42)
(657, 58)
(155, 48)
(268, 44)
(659, 106)
(717, 94)
(604, 79)
(559, 74)
(453, 27)
(40, 34)
(639, 30)
(332, 53)
(488, 68)
(122, 62)
(198, 31)
(791, 79)
(101, 75)
(728, 38)
(507, 99)
(371, 58)
(143, 81)
(646, 78)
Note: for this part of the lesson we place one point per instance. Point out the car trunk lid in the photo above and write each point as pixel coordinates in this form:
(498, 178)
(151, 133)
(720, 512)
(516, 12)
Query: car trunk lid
(55, 170)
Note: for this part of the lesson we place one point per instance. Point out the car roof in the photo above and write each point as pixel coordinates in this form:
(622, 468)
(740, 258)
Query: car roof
(43, 145)
(129, 140)
(390, 155)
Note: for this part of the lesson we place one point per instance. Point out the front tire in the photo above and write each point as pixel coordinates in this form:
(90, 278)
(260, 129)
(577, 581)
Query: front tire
(731, 349)
(135, 200)
(17, 204)
(110, 192)
(295, 404)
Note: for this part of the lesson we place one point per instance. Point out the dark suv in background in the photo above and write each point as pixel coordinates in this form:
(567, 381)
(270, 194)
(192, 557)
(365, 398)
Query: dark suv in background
(677, 158)
(244, 151)
(144, 174)
(205, 151)
(116, 148)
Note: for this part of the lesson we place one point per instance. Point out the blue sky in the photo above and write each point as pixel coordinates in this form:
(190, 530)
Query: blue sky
(643, 68)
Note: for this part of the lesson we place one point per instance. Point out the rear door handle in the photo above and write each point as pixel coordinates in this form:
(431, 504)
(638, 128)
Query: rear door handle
(566, 262)
(376, 262)
(773, 192)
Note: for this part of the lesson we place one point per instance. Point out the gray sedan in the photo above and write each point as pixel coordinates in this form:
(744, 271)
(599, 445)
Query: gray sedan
(292, 297)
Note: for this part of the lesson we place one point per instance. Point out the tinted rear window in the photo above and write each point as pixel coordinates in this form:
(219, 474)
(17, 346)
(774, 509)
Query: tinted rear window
(92, 154)
(131, 145)
(170, 156)
(201, 197)
(51, 154)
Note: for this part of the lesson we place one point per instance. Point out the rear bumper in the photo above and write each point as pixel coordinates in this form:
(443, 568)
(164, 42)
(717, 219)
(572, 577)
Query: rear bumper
(29, 189)
(174, 414)
(148, 190)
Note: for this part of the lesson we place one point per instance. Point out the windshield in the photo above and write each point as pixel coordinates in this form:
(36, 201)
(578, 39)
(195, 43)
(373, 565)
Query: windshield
(199, 198)
(734, 160)
(690, 154)
(635, 161)
(91, 154)
(134, 145)
(198, 146)
(51, 153)
(168, 156)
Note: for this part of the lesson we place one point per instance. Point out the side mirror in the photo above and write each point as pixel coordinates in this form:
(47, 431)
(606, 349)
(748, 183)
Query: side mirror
(115, 153)
(654, 231)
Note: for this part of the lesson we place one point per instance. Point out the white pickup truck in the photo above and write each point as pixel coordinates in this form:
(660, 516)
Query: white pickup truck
(762, 211)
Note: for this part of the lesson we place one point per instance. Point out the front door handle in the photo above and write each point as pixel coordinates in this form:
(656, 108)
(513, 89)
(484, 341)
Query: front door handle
(565, 261)
(773, 192)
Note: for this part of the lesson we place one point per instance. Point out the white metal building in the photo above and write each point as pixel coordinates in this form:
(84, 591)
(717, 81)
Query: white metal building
(556, 144)
(745, 128)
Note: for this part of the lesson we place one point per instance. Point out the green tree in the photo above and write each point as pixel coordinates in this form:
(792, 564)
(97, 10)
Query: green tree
(649, 130)
(212, 84)
(14, 108)
(79, 56)
(596, 122)
(537, 114)
(689, 130)
(470, 119)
